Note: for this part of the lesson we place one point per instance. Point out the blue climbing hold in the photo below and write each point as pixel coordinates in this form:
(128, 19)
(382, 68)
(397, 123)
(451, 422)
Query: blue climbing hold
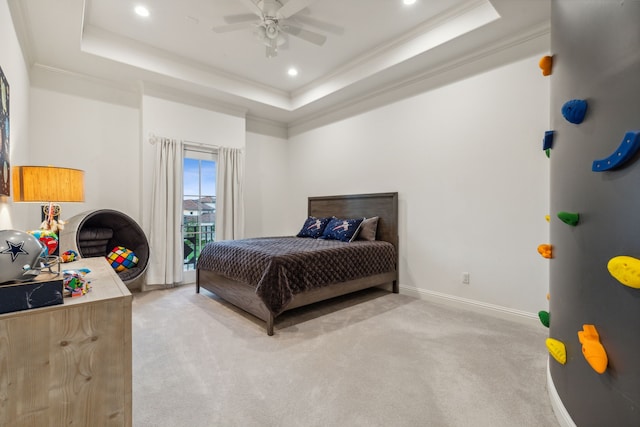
(574, 111)
(547, 142)
(627, 149)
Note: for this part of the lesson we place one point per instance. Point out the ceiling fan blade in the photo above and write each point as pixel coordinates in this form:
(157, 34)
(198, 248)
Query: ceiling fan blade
(243, 17)
(252, 5)
(233, 27)
(321, 25)
(310, 36)
(292, 7)
(270, 8)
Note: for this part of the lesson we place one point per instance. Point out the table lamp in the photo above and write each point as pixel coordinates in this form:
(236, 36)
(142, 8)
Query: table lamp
(48, 184)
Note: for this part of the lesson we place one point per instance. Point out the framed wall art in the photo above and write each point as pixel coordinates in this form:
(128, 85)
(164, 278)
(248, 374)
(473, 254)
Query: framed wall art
(5, 167)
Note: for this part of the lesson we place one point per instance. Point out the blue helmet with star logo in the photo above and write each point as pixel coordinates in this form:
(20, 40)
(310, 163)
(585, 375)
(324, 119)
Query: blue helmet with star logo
(19, 252)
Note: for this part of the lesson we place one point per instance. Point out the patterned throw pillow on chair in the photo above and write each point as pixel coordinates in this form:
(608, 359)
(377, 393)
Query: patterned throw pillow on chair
(122, 258)
(341, 229)
(313, 227)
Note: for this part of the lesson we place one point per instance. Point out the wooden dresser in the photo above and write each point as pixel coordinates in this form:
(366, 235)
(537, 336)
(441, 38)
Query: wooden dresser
(69, 364)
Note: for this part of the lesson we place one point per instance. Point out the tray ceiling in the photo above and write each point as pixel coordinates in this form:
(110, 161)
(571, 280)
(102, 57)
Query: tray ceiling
(370, 45)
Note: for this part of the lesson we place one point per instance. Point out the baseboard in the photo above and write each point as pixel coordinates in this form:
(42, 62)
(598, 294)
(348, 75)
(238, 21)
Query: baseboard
(563, 417)
(469, 304)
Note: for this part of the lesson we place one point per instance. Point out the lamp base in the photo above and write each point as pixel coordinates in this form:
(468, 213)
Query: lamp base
(55, 210)
(50, 216)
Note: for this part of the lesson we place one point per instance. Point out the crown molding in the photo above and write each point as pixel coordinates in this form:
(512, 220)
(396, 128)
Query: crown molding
(187, 98)
(84, 85)
(267, 127)
(530, 41)
(438, 31)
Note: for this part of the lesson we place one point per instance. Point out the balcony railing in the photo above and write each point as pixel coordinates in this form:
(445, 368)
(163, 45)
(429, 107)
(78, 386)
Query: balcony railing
(195, 238)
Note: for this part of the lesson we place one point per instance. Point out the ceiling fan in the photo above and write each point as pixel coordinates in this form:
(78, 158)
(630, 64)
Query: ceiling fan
(273, 19)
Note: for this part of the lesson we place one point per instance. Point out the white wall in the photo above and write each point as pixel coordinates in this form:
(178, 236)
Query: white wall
(94, 135)
(13, 216)
(266, 195)
(472, 178)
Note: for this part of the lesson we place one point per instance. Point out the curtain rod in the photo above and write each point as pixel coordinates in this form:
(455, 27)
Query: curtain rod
(199, 144)
(154, 138)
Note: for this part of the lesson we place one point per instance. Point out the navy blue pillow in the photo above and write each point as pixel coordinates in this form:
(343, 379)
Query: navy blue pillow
(341, 229)
(313, 227)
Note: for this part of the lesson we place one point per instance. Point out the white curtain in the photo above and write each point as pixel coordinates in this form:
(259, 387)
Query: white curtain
(166, 244)
(229, 194)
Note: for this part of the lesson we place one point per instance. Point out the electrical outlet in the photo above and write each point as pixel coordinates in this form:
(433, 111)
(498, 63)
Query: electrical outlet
(465, 278)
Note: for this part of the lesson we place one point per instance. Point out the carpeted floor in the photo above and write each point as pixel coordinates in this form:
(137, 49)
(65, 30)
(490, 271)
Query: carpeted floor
(373, 359)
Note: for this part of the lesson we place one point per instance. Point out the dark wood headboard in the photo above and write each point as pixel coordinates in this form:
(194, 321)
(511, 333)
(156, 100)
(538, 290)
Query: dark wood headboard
(383, 205)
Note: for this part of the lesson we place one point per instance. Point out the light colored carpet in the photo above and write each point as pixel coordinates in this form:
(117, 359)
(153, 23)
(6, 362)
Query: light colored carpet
(373, 359)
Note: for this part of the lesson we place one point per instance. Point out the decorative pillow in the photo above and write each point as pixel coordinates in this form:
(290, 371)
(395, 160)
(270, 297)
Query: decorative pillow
(368, 229)
(341, 229)
(313, 227)
(122, 258)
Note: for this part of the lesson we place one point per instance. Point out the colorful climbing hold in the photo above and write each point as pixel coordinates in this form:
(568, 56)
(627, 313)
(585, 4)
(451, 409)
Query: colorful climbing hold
(548, 218)
(547, 141)
(592, 349)
(544, 317)
(548, 153)
(627, 149)
(569, 218)
(545, 250)
(626, 270)
(574, 111)
(557, 350)
(545, 64)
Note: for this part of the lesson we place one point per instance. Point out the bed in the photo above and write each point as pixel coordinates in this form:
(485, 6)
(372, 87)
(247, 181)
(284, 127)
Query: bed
(271, 286)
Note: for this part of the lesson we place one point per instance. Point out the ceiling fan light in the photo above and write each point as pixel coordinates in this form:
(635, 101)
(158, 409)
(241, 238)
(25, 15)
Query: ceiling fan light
(271, 52)
(271, 30)
(261, 33)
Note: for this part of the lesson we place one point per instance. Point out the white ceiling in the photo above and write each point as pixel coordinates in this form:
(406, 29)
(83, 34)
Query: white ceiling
(371, 45)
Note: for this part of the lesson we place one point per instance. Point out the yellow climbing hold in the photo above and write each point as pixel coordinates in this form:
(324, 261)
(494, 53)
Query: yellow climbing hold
(548, 218)
(626, 270)
(557, 350)
(592, 349)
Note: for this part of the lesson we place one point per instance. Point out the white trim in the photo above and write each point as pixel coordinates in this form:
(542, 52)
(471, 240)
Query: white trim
(469, 304)
(535, 39)
(563, 417)
(267, 127)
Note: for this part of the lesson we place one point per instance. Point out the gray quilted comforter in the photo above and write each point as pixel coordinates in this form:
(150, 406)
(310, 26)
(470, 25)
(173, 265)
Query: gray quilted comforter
(280, 267)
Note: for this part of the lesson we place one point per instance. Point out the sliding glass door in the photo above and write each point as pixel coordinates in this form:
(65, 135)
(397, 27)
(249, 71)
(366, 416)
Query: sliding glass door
(198, 206)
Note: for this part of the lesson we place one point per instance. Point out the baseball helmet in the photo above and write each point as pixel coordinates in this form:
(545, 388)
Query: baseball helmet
(19, 252)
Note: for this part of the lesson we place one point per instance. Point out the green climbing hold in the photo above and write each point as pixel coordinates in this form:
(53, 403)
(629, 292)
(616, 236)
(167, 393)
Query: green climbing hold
(544, 317)
(569, 218)
(548, 153)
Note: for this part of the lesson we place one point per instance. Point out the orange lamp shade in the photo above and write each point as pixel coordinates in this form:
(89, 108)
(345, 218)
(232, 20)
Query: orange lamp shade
(47, 184)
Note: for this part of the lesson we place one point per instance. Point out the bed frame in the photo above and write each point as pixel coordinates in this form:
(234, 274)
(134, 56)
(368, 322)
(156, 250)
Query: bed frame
(383, 205)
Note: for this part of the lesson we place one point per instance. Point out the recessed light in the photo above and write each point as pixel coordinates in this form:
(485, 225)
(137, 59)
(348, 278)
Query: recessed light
(142, 11)
(292, 72)
(408, 2)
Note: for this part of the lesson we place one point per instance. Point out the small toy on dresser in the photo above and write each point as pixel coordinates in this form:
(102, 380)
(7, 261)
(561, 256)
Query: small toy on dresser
(75, 285)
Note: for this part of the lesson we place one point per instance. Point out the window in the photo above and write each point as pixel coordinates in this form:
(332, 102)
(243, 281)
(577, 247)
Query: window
(198, 206)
